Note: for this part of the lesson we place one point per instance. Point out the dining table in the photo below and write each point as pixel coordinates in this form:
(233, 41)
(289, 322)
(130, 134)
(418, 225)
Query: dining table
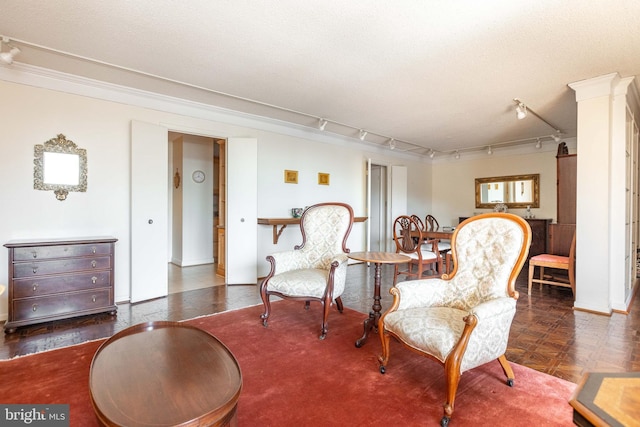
(377, 258)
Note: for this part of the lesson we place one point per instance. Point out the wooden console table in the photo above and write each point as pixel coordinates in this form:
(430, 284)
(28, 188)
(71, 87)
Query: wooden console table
(283, 222)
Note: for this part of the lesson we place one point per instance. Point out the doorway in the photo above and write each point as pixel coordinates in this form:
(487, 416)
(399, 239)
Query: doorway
(193, 212)
(378, 237)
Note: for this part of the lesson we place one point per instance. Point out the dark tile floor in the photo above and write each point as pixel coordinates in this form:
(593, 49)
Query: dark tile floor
(546, 334)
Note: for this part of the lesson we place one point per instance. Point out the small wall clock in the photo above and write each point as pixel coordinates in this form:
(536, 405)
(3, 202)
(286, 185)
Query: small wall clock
(198, 176)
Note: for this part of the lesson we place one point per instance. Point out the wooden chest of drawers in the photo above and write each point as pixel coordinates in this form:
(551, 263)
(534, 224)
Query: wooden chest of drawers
(57, 279)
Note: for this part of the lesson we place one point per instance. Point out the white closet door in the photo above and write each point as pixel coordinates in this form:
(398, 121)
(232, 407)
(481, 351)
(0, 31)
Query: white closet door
(149, 215)
(241, 226)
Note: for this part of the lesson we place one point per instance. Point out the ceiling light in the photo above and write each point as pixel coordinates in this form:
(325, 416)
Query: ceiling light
(538, 143)
(521, 109)
(556, 137)
(432, 153)
(363, 134)
(8, 57)
(489, 151)
(457, 154)
(392, 143)
(322, 123)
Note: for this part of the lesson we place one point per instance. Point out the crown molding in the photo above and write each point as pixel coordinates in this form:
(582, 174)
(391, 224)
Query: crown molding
(72, 84)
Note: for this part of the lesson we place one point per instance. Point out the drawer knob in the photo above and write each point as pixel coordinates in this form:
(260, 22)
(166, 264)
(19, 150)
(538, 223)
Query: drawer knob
(35, 254)
(93, 298)
(93, 249)
(34, 307)
(35, 270)
(94, 263)
(35, 287)
(94, 279)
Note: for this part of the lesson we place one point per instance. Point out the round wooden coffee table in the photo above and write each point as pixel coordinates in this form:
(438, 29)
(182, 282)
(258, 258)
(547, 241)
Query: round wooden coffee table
(164, 374)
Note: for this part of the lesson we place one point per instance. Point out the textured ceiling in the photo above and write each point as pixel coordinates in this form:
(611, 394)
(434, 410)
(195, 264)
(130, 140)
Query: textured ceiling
(435, 74)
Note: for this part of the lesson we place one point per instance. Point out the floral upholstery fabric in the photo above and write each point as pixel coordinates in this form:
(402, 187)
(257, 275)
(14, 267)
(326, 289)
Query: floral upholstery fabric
(305, 271)
(431, 311)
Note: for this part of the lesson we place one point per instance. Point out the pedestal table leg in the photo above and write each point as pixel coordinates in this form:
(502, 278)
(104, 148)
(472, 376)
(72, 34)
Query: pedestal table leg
(372, 321)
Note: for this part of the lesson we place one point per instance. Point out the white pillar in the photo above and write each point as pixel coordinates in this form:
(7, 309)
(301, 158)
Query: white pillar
(593, 194)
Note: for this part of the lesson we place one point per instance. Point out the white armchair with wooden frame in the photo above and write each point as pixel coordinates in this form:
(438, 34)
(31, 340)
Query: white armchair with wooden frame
(462, 320)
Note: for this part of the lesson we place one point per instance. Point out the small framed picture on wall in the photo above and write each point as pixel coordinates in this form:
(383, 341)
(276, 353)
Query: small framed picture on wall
(290, 177)
(323, 178)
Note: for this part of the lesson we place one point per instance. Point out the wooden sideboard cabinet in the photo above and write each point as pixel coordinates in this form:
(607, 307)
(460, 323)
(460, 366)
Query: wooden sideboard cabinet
(59, 278)
(539, 234)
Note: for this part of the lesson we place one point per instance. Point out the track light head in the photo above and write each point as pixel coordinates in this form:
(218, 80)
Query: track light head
(489, 151)
(432, 153)
(392, 143)
(7, 57)
(363, 134)
(457, 155)
(556, 137)
(538, 143)
(521, 109)
(322, 123)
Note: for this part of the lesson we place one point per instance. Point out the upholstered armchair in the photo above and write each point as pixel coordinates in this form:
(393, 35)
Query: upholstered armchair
(315, 270)
(462, 320)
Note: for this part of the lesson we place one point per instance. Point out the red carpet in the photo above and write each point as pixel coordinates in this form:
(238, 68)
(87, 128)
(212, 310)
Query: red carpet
(291, 378)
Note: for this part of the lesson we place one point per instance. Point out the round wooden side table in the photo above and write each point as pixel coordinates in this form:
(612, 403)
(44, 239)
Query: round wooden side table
(377, 258)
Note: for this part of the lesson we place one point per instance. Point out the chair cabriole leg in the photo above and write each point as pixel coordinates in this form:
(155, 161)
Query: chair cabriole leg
(506, 368)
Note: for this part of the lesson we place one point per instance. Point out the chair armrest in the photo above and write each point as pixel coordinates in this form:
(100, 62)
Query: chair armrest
(493, 308)
(422, 293)
(490, 336)
(297, 260)
(288, 260)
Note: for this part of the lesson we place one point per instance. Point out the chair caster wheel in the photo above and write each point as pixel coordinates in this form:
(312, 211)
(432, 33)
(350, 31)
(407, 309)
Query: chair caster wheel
(382, 369)
(264, 323)
(323, 336)
(444, 422)
(510, 382)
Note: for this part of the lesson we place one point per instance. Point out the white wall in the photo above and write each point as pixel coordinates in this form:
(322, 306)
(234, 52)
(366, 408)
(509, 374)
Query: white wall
(175, 200)
(197, 201)
(32, 115)
(454, 181)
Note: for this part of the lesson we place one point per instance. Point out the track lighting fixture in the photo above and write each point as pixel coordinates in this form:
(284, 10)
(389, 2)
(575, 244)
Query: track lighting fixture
(322, 123)
(538, 143)
(432, 153)
(363, 134)
(392, 143)
(457, 154)
(521, 110)
(556, 137)
(489, 151)
(7, 57)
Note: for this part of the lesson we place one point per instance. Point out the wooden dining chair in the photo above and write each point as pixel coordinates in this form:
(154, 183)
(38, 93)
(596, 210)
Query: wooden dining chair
(409, 241)
(557, 262)
(444, 246)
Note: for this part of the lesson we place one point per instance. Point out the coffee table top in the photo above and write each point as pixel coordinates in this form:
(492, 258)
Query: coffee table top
(610, 399)
(164, 373)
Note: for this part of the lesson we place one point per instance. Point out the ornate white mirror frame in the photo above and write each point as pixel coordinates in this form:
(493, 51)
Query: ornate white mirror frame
(60, 166)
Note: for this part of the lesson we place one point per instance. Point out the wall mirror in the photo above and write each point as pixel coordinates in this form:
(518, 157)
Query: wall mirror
(60, 166)
(515, 191)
